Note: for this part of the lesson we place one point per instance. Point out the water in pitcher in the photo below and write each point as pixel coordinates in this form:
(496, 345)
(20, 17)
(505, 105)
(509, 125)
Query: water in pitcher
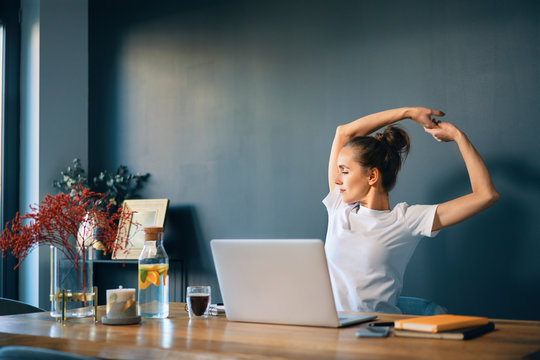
(154, 290)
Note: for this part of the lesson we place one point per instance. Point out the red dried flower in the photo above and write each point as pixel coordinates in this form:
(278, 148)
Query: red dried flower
(65, 222)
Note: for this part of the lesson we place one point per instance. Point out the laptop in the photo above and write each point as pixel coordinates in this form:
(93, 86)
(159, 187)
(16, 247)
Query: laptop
(280, 281)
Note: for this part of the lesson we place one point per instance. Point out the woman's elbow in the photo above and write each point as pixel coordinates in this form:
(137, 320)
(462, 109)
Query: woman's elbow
(341, 135)
(340, 131)
(492, 197)
(496, 196)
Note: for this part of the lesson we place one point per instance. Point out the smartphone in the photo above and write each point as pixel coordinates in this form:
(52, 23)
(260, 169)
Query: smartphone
(373, 331)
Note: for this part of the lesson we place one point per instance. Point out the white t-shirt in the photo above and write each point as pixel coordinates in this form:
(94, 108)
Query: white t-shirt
(368, 250)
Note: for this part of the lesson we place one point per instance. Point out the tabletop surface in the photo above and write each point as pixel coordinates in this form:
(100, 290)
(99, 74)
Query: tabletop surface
(216, 337)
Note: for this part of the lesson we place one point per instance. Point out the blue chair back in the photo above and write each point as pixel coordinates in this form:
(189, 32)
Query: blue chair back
(14, 307)
(31, 353)
(419, 306)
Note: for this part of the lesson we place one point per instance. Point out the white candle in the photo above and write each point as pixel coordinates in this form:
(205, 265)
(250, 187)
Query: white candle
(121, 303)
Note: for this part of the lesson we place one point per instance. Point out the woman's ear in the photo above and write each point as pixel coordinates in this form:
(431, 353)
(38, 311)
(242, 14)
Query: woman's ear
(374, 176)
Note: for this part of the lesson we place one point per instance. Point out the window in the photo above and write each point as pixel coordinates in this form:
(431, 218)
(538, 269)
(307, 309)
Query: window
(1, 114)
(10, 38)
(2, 273)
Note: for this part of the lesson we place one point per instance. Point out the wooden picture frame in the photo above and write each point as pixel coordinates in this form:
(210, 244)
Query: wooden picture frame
(146, 212)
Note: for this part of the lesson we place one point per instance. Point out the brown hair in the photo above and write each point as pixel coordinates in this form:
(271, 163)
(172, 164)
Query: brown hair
(384, 151)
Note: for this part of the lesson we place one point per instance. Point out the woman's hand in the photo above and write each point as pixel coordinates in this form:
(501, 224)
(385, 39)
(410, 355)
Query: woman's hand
(423, 116)
(444, 131)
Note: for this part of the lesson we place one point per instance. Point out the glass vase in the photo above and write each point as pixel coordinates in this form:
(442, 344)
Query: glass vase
(72, 272)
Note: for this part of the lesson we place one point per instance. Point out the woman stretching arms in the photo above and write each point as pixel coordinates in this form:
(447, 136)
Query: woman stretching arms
(368, 245)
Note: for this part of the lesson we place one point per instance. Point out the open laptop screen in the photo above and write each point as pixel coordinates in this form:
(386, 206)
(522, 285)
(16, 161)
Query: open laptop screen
(281, 281)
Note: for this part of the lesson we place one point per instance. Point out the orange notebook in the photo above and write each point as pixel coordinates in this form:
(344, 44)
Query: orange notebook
(437, 323)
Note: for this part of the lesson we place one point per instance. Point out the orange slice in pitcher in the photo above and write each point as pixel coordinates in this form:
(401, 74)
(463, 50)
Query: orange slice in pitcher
(153, 277)
(143, 284)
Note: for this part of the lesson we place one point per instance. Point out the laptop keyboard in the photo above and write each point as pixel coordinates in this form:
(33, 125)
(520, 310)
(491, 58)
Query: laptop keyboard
(345, 317)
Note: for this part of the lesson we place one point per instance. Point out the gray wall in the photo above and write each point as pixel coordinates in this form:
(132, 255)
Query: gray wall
(231, 106)
(54, 114)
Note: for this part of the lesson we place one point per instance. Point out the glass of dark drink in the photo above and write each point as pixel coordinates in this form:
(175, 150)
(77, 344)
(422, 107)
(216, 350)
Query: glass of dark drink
(198, 300)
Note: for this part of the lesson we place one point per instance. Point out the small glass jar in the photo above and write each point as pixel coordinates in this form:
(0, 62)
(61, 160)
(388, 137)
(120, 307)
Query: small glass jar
(153, 276)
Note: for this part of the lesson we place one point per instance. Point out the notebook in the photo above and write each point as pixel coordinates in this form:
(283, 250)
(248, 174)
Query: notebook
(460, 334)
(283, 281)
(437, 323)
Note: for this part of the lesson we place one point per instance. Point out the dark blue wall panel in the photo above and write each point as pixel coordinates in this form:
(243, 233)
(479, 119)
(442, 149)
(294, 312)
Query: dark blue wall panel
(232, 105)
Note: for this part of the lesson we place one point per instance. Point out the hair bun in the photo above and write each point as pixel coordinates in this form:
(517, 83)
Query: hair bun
(396, 138)
(384, 151)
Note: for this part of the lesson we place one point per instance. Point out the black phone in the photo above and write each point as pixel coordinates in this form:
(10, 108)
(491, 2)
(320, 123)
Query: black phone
(372, 331)
(384, 323)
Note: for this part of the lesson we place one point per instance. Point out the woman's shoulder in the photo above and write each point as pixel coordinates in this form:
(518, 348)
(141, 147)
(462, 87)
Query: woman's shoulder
(333, 199)
(400, 208)
(404, 209)
(413, 214)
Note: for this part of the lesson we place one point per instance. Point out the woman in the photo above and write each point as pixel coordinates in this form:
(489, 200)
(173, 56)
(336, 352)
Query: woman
(368, 245)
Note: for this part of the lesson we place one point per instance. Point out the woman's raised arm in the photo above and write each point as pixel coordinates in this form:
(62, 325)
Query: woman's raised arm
(483, 193)
(370, 123)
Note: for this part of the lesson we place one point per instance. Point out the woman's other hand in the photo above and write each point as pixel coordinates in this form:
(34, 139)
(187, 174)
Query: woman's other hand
(443, 131)
(424, 116)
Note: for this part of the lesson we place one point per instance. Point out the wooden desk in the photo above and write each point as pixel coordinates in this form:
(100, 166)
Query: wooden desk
(216, 338)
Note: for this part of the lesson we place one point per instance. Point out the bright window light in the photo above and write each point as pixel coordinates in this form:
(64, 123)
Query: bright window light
(1, 110)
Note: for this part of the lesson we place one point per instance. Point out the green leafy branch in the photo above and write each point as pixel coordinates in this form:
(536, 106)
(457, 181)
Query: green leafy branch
(117, 186)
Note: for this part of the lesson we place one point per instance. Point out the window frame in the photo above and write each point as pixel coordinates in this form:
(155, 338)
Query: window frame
(3, 262)
(2, 116)
(10, 17)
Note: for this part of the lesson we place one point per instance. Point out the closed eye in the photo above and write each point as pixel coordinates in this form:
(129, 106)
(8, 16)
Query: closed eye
(343, 169)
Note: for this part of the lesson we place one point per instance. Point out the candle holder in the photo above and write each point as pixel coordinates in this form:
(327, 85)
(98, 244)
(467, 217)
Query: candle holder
(121, 307)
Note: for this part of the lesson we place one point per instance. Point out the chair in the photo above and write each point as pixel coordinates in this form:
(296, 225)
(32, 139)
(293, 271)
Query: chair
(30, 353)
(419, 306)
(13, 307)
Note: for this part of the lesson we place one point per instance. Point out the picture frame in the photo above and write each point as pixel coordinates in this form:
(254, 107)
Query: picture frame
(146, 212)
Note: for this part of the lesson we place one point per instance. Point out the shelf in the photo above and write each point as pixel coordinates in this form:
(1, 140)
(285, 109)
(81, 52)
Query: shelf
(131, 261)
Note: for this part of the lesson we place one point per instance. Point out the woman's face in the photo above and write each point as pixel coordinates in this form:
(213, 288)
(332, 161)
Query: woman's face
(352, 179)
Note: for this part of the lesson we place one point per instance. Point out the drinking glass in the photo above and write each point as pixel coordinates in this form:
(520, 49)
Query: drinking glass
(198, 300)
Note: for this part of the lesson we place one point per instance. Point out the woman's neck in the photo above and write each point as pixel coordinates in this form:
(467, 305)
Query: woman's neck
(376, 200)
